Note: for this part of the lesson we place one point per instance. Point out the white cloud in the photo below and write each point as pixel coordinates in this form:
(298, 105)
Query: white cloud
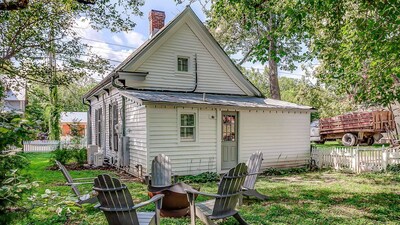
(133, 38)
(117, 39)
(106, 51)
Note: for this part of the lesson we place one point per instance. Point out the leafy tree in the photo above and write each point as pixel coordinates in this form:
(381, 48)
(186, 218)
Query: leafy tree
(358, 45)
(40, 43)
(263, 31)
(259, 79)
(306, 91)
(71, 97)
(69, 100)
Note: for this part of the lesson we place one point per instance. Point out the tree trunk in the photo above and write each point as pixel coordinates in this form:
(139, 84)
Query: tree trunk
(272, 64)
(54, 120)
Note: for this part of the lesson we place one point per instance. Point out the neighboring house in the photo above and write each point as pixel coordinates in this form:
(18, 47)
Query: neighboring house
(68, 119)
(14, 97)
(181, 95)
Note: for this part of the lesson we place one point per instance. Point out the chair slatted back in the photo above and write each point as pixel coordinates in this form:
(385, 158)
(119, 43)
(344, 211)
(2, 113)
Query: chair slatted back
(161, 171)
(231, 183)
(254, 165)
(115, 200)
(68, 177)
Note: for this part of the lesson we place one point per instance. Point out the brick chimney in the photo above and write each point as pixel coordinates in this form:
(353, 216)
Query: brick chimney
(156, 19)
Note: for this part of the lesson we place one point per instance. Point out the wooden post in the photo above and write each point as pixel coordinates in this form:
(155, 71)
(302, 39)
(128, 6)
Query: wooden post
(190, 197)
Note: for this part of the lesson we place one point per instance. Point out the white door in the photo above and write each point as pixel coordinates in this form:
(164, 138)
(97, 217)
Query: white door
(229, 145)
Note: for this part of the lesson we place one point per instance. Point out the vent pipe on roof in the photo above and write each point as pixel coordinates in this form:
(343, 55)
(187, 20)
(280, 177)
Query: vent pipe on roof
(156, 19)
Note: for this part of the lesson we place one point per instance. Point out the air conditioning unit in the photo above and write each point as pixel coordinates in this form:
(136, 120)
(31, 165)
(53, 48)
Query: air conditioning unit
(98, 159)
(91, 150)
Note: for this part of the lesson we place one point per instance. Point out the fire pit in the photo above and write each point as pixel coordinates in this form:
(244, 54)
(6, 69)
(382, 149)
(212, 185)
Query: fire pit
(175, 203)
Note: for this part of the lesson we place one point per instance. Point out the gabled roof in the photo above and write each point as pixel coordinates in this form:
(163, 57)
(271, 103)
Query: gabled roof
(212, 99)
(236, 74)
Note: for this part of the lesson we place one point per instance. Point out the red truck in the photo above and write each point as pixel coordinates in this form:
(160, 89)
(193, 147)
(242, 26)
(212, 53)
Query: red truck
(356, 128)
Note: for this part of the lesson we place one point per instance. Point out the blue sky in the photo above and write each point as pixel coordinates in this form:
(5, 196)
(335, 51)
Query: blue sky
(117, 46)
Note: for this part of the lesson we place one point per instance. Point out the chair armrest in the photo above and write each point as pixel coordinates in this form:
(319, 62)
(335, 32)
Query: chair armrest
(152, 200)
(211, 195)
(85, 178)
(74, 183)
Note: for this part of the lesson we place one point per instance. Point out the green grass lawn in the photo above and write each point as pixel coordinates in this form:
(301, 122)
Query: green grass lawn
(309, 198)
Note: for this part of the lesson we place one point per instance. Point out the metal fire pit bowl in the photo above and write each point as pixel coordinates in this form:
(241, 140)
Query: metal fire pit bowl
(175, 203)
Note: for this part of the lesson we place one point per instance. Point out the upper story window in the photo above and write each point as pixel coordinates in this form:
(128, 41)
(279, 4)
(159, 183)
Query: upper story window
(183, 64)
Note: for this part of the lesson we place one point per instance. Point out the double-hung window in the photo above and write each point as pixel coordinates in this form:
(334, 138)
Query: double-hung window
(183, 64)
(188, 127)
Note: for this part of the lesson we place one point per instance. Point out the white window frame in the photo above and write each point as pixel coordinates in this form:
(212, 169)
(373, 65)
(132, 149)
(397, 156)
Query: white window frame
(196, 125)
(186, 56)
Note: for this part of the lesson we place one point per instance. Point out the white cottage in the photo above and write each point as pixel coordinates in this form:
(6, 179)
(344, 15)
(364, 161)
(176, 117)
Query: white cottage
(181, 95)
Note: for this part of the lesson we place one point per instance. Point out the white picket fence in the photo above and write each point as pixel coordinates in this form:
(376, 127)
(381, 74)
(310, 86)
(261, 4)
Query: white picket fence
(40, 145)
(51, 145)
(355, 159)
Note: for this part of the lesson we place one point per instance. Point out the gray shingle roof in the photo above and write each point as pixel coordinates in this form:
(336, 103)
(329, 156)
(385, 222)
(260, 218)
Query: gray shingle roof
(212, 99)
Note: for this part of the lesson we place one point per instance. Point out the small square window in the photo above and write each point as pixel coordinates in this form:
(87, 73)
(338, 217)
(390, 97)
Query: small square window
(183, 64)
(188, 127)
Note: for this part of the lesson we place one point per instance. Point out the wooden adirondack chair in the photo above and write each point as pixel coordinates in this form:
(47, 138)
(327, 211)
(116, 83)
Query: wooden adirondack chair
(225, 201)
(117, 204)
(161, 172)
(253, 169)
(73, 183)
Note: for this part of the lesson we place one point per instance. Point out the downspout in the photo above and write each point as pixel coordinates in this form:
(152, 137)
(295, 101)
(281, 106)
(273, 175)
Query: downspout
(123, 123)
(89, 122)
(123, 116)
(195, 73)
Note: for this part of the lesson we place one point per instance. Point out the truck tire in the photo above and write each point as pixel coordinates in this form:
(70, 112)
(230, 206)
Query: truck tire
(349, 139)
(370, 141)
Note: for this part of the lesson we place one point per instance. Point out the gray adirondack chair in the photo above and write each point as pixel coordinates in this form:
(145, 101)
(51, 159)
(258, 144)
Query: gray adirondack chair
(73, 183)
(161, 172)
(224, 202)
(253, 168)
(117, 204)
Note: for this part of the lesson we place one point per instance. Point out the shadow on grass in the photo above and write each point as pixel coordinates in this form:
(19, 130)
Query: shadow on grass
(321, 205)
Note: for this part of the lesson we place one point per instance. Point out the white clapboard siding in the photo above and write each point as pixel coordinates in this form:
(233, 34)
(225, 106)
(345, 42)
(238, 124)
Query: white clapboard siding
(282, 137)
(186, 157)
(162, 67)
(136, 131)
(103, 102)
(40, 146)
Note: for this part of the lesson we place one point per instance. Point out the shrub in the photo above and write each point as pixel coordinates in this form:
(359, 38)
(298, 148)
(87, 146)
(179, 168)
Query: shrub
(80, 155)
(62, 155)
(65, 155)
(288, 171)
(200, 178)
(395, 168)
(13, 130)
